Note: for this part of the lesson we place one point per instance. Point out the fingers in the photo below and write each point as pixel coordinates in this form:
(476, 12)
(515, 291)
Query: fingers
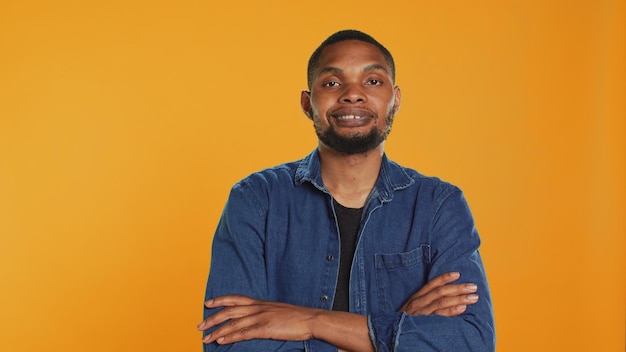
(421, 295)
(440, 280)
(222, 316)
(452, 306)
(440, 297)
(442, 305)
(239, 329)
(230, 300)
(235, 306)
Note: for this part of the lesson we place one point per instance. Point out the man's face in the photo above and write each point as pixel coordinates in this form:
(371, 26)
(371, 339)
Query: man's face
(352, 99)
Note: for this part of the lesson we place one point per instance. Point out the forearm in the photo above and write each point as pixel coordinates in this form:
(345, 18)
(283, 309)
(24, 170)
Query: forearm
(350, 332)
(432, 333)
(347, 331)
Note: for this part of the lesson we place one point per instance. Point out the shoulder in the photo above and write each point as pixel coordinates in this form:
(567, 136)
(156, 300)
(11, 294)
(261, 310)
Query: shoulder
(255, 190)
(278, 175)
(426, 186)
(442, 202)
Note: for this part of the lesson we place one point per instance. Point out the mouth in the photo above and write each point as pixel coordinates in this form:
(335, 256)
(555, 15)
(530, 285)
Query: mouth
(352, 117)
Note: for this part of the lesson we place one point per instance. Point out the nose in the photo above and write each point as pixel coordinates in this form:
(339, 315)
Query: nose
(353, 94)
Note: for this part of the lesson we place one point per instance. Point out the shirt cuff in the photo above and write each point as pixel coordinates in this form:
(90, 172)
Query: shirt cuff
(315, 345)
(384, 329)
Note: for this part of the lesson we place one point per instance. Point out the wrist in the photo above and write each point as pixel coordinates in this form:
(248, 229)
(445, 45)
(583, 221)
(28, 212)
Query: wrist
(318, 322)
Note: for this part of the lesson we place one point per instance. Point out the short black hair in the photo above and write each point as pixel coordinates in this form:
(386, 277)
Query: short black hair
(347, 34)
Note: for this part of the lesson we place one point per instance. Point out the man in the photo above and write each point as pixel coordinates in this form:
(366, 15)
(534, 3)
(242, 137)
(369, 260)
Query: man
(344, 249)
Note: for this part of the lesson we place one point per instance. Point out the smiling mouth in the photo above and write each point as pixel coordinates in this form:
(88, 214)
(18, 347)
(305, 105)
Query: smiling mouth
(350, 117)
(352, 120)
(352, 114)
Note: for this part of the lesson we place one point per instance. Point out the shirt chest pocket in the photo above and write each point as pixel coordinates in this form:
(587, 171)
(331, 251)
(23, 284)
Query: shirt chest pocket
(398, 276)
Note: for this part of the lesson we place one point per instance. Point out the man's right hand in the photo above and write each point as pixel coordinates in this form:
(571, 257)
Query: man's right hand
(439, 297)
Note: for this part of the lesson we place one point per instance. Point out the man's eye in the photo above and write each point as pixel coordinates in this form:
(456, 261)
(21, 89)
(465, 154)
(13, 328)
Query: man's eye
(331, 84)
(374, 82)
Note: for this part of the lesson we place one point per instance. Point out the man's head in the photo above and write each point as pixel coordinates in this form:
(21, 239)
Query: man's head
(348, 34)
(352, 98)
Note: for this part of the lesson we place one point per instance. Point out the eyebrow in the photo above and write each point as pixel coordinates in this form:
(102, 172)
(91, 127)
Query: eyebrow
(372, 67)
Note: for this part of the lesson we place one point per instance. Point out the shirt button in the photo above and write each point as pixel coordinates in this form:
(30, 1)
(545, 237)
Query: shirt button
(330, 258)
(324, 298)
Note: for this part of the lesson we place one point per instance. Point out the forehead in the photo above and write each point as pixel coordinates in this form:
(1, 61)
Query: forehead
(352, 53)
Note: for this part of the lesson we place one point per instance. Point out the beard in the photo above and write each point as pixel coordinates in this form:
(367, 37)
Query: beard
(355, 144)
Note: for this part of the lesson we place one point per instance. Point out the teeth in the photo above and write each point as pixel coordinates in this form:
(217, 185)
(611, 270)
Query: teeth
(349, 117)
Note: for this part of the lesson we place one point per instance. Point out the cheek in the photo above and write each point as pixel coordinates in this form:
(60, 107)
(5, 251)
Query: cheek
(323, 101)
(318, 108)
(389, 103)
(392, 106)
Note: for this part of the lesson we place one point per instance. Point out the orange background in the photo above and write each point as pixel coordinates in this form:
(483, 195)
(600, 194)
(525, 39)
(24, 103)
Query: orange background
(123, 125)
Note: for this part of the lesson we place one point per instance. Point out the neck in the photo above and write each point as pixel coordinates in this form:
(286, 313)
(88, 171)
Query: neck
(350, 177)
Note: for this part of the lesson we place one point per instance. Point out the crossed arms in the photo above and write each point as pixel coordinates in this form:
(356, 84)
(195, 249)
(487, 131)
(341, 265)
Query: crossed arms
(247, 318)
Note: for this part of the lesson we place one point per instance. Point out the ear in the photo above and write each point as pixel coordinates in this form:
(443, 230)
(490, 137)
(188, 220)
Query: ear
(397, 99)
(305, 103)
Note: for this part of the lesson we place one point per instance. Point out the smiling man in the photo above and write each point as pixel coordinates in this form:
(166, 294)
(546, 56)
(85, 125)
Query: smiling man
(346, 250)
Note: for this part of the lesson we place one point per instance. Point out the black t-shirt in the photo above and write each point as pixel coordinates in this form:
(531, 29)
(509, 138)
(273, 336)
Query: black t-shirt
(349, 220)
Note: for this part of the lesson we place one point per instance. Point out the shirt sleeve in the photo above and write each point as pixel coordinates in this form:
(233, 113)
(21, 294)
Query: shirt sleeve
(454, 247)
(238, 267)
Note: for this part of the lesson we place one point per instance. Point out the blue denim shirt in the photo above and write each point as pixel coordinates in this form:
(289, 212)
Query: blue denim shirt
(278, 240)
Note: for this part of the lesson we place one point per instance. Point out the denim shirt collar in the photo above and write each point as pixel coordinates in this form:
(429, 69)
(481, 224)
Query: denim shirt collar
(392, 177)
